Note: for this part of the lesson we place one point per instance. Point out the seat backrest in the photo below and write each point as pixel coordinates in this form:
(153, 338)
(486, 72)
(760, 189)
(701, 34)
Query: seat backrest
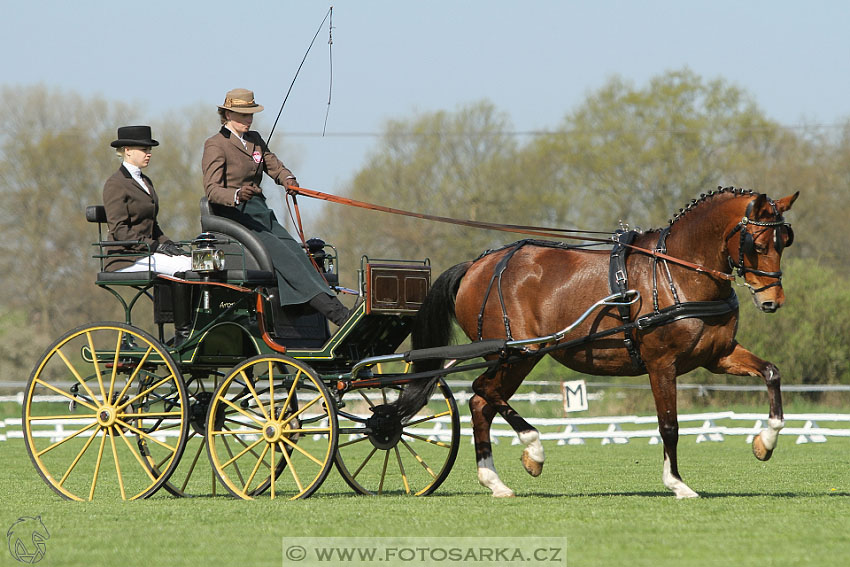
(96, 213)
(255, 253)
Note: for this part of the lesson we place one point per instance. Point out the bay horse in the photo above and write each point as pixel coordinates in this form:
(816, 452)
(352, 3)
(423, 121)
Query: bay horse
(687, 269)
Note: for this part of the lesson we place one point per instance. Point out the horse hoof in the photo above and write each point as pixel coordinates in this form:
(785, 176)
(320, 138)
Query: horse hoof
(507, 493)
(531, 466)
(761, 452)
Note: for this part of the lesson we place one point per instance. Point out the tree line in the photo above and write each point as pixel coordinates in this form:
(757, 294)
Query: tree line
(628, 153)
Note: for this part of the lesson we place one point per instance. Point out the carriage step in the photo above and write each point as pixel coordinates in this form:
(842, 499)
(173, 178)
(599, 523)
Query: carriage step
(457, 352)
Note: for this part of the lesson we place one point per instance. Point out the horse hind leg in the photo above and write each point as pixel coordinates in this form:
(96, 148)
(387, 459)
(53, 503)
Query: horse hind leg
(482, 416)
(492, 390)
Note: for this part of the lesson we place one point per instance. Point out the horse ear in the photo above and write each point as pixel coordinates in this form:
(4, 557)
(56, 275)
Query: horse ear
(785, 203)
(757, 206)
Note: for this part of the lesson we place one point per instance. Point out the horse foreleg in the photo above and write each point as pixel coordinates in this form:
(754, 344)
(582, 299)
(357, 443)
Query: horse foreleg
(482, 416)
(664, 392)
(742, 362)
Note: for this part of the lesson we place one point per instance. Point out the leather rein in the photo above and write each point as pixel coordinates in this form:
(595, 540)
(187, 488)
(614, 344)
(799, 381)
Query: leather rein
(560, 233)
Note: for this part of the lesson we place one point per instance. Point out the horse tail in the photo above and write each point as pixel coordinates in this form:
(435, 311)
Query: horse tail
(432, 327)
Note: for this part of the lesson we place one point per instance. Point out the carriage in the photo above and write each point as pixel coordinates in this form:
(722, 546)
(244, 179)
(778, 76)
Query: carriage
(264, 400)
(265, 395)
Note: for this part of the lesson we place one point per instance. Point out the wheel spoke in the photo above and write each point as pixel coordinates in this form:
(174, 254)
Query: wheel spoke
(426, 440)
(243, 451)
(290, 396)
(66, 394)
(135, 372)
(76, 460)
(418, 458)
(271, 388)
(300, 410)
(429, 418)
(97, 465)
(240, 410)
(291, 467)
(233, 459)
(401, 468)
(273, 445)
(194, 462)
(68, 438)
(141, 395)
(366, 460)
(254, 393)
(96, 368)
(117, 464)
(135, 453)
(302, 451)
(115, 369)
(146, 436)
(256, 468)
(349, 443)
(384, 472)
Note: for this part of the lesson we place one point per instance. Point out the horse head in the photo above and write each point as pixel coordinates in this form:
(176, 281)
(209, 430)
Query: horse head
(755, 248)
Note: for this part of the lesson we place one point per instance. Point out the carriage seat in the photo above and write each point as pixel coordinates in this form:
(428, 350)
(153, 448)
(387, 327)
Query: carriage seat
(295, 326)
(97, 213)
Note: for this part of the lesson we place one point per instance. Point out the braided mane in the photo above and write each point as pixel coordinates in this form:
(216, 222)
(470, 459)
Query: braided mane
(707, 196)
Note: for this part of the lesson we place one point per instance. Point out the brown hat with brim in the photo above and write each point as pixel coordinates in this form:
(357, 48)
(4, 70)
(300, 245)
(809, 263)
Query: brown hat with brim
(241, 101)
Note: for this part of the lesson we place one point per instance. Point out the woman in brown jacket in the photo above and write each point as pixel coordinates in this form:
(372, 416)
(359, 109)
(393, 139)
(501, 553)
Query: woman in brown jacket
(233, 164)
(132, 204)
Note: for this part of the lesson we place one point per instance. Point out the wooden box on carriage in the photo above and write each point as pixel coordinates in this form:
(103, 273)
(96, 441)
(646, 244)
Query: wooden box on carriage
(396, 288)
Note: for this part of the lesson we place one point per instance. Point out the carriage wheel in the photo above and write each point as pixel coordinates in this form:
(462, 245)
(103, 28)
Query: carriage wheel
(377, 454)
(104, 401)
(272, 426)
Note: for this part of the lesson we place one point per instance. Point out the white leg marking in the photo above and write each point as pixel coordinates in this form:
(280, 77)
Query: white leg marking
(679, 488)
(770, 435)
(533, 446)
(489, 478)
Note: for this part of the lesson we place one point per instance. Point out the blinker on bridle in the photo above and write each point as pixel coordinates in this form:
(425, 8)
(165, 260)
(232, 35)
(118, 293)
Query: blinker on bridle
(783, 236)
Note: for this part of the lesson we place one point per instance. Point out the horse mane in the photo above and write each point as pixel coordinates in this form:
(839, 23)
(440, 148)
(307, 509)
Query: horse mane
(707, 197)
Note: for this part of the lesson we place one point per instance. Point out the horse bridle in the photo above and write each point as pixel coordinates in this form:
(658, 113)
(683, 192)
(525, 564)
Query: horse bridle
(783, 236)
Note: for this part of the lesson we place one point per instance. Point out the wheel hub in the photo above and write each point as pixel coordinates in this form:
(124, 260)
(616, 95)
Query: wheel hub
(106, 416)
(272, 432)
(384, 426)
(198, 411)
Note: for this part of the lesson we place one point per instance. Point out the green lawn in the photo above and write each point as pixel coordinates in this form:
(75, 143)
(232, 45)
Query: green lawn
(608, 501)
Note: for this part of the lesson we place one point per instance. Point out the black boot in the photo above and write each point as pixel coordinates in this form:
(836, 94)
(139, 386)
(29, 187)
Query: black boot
(181, 296)
(330, 307)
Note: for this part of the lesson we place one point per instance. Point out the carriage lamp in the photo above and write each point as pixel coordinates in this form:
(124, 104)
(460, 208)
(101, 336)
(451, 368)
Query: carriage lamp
(316, 249)
(205, 256)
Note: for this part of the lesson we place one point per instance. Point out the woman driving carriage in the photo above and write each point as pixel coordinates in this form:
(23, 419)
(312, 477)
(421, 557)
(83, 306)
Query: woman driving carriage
(233, 164)
(131, 205)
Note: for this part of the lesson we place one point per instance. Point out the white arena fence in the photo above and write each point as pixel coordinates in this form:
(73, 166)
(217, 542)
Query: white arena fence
(615, 430)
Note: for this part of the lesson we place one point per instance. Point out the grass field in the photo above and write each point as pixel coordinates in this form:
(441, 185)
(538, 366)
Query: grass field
(608, 501)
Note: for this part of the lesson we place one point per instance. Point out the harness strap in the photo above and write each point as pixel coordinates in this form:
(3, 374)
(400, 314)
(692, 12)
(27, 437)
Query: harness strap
(497, 278)
(618, 280)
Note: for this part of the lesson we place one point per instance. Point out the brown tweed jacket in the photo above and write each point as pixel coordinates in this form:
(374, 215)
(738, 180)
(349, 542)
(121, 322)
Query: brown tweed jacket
(227, 165)
(131, 215)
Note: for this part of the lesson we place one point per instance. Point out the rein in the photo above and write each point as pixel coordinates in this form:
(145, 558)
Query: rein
(560, 233)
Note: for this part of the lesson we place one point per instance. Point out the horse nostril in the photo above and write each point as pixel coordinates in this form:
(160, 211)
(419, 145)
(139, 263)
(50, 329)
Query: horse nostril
(769, 306)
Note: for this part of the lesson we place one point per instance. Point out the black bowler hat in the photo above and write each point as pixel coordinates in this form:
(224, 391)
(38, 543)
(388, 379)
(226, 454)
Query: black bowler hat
(134, 136)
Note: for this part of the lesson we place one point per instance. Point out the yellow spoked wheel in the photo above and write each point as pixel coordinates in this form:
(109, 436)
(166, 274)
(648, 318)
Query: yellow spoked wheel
(377, 454)
(272, 427)
(105, 401)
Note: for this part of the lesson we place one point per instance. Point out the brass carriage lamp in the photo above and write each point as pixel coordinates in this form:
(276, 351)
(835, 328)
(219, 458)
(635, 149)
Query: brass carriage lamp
(205, 256)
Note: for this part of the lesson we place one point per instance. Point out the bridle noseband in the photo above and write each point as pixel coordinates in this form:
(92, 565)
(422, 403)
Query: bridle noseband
(783, 236)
